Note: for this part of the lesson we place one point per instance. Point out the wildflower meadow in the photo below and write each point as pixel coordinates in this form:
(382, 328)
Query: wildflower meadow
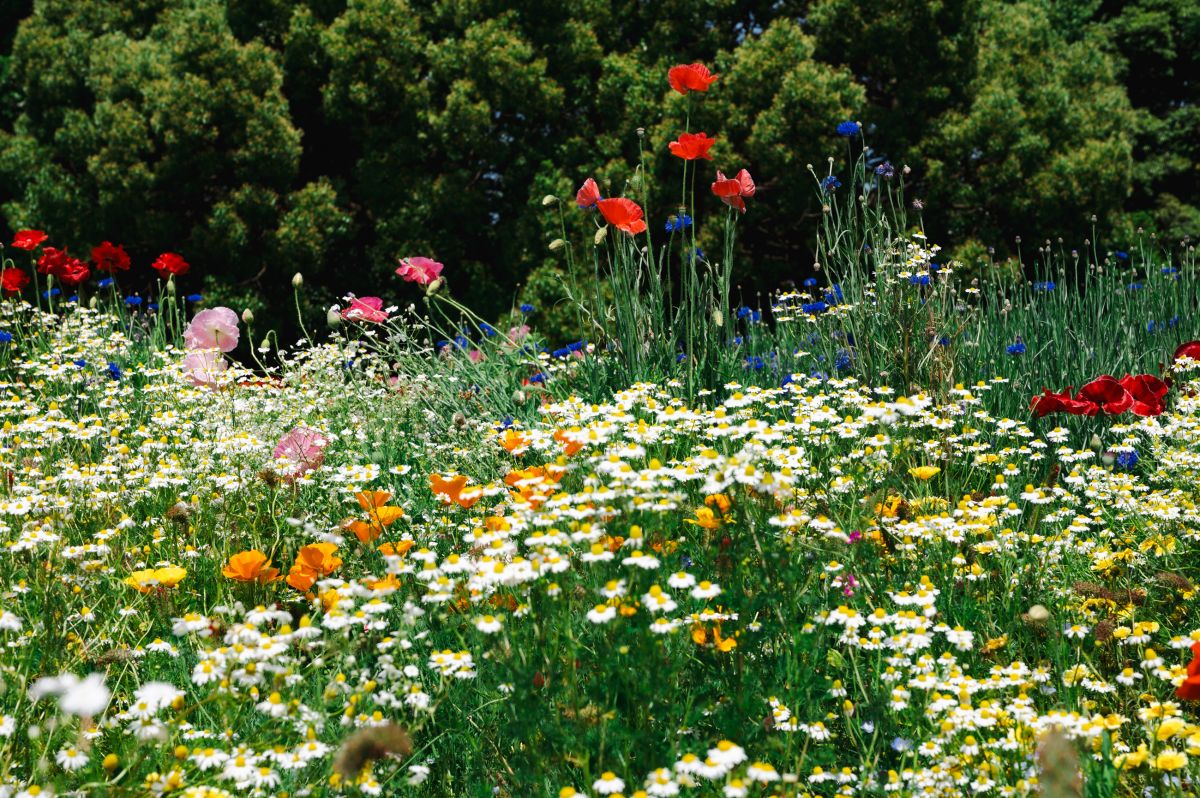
(908, 528)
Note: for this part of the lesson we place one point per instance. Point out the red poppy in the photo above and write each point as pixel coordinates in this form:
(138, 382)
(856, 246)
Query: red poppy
(691, 146)
(13, 280)
(1147, 392)
(52, 260)
(1061, 403)
(1107, 394)
(690, 77)
(588, 195)
(73, 272)
(28, 239)
(170, 263)
(1189, 690)
(731, 190)
(1190, 349)
(110, 259)
(623, 214)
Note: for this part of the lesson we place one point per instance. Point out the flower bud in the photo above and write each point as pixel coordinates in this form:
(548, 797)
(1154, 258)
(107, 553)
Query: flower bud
(518, 397)
(1094, 444)
(297, 280)
(333, 318)
(435, 286)
(171, 285)
(557, 244)
(600, 235)
(247, 316)
(265, 346)
(718, 318)
(549, 199)
(93, 302)
(1038, 614)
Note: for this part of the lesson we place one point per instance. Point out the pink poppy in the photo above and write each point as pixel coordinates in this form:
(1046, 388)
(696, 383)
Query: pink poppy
(731, 190)
(304, 450)
(366, 308)
(421, 271)
(203, 366)
(214, 328)
(588, 195)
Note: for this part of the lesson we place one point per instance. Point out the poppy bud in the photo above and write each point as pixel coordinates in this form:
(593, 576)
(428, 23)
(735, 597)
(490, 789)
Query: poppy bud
(93, 302)
(1038, 614)
(171, 285)
(557, 244)
(297, 280)
(435, 286)
(1094, 444)
(718, 318)
(247, 316)
(519, 397)
(600, 235)
(265, 346)
(549, 199)
(333, 318)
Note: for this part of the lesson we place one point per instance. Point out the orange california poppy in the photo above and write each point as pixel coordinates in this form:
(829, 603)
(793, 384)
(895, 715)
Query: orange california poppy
(398, 548)
(313, 562)
(690, 77)
(250, 566)
(623, 214)
(514, 442)
(570, 444)
(451, 490)
(690, 146)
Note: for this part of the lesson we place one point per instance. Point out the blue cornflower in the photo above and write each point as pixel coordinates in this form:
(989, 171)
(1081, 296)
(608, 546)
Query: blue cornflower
(809, 282)
(834, 295)
(1169, 270)
(746, 312)
(682, 356)
(1171, 322)
(842, 361)
(461, 341)
(194, 297)
(1044, 286)
(755, 362)
(830, 183)
(1016, 348)
(133, 301)
(680, 222)
(539, 377)
(527, 308)
(152, 306)
(576, 346)
(114, 371)
(51, 292)
(1127, 459)
(814, 307)
(919, 279)
(786, 381)
(564, 352)
(1134, 286)
(885, 170)
(1122, 255)
(487, 329)
(105, 283)
(80, 362)
(695, 255)
(6, 337)
(847, 129)
(504, 423)
(944, 340)
(1150, 325)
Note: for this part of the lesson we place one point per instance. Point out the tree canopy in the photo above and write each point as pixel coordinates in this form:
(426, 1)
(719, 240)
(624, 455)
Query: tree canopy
(333, 136)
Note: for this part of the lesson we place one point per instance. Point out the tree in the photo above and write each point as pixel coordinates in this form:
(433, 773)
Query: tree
(1044, 142)
(150, 123)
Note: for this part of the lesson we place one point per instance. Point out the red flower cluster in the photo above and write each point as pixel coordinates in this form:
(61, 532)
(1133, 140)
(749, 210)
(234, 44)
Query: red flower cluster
(1141, 393)
(1190, 349)
(170, 264)
(68, 270)
(110, 259)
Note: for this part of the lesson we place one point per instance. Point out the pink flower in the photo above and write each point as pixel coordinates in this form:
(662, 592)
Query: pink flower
(366, 308)
(421, 271)
(215, 328)
(475, 355)
(202, 367)
(303, 449)
(518, 334)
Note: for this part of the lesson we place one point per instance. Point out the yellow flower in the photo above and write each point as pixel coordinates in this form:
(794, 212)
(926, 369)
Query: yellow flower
(147, 579)
(925, 473)
(705, 519)
(1170, 760)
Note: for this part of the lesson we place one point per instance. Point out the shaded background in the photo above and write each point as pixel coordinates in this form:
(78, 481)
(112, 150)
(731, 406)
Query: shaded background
(263, 137)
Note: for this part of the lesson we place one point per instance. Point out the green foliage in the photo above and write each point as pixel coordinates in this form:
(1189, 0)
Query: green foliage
(262, 138)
